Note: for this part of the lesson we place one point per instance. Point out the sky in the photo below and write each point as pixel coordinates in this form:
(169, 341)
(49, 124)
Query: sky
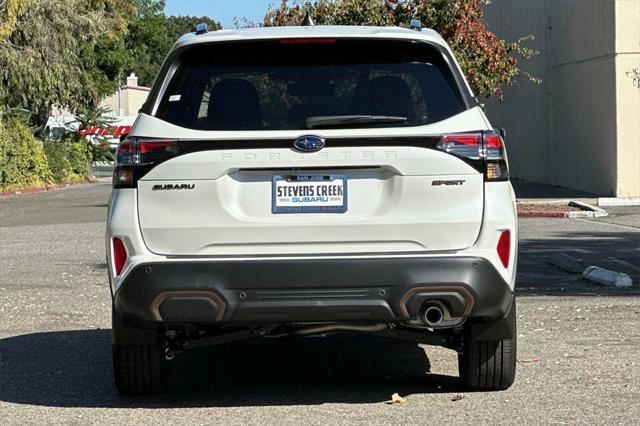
(223, 11)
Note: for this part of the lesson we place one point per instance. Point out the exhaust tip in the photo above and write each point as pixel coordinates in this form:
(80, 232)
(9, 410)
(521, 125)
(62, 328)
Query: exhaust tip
(433, 315)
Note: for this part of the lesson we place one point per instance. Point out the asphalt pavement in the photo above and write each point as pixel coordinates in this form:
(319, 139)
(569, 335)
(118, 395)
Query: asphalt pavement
(578, 360)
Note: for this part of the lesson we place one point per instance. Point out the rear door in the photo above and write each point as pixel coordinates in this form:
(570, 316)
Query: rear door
(242, 185)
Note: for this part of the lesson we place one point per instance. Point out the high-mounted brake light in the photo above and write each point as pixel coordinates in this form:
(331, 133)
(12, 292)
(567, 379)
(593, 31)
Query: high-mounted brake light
(136, 156)
(483, 150)
(310, 40)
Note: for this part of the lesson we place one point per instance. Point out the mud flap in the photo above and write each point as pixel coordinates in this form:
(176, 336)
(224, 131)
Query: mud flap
(504, 328)
(127, 334)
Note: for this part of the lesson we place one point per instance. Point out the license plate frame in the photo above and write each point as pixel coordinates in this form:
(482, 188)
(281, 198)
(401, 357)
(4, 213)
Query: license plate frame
(301, 179)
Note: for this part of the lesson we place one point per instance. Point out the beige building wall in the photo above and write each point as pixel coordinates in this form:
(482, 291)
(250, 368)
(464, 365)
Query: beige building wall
(628, 96)
(568, 130)
(127, 101)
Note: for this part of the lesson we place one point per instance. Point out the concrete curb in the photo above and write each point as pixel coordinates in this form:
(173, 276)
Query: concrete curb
(594, 274)
(49, 187)
(619, 201)
(567, 263)
(541, 213)
(586, 210)
(606, 277)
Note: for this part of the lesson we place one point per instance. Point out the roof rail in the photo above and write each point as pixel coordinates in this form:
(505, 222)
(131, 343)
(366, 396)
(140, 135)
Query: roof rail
(202, 28)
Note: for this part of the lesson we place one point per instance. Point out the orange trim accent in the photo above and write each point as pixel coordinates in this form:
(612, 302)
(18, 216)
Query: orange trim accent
(155, 305)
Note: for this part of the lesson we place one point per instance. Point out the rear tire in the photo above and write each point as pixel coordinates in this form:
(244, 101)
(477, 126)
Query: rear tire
(139, 370)
(490, 365)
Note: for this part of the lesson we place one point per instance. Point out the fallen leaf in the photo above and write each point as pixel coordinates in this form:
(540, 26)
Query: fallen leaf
(457, 398)
(532, 359)
(396, 399)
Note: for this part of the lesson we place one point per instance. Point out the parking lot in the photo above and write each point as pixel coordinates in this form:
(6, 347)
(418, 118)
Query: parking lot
(578, 360)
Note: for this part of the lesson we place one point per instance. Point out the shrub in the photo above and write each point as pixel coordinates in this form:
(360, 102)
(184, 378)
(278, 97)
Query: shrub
(58, 162)
(100, 151)
(96, 117)
(23, 162)
(68, 159)
(78, 155)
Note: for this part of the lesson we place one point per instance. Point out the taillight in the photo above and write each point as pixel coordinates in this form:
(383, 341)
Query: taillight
(119, 255)
(483, 150)
(503, 247)
(465, 145)
(136, 156)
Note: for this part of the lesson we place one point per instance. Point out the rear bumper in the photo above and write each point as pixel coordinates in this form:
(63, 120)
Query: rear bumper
(309, 290)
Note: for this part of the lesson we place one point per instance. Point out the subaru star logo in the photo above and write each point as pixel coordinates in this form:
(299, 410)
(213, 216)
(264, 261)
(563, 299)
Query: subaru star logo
(309, 143)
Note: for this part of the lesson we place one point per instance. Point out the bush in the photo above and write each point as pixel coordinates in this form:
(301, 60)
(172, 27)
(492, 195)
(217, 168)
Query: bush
(58, 162)
(68, 159)
(23, 162)
(100, 151)
(78, 156)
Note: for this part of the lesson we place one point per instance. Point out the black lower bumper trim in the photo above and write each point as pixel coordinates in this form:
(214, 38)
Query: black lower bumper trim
(321, 289)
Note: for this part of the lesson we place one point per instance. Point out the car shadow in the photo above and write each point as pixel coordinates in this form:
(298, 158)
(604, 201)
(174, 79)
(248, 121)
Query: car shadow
(73, 369)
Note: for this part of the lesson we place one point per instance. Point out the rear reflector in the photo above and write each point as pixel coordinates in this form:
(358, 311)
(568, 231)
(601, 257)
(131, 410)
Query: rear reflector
(119, 255)
(503, 248)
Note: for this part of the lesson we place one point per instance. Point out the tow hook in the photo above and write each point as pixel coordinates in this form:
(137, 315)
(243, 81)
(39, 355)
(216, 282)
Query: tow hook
(169, 354)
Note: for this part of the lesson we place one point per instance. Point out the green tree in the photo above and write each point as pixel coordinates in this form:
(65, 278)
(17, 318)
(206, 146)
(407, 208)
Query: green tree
(147, 40)
(488, 62)
(59, 52)
(106, 58)
(152, 34)
(180, 25)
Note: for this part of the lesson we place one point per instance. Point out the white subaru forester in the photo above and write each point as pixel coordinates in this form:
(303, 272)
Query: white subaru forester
(311, 180)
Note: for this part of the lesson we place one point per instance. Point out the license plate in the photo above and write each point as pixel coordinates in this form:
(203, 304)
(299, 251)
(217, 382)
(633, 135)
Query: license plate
(309, 194)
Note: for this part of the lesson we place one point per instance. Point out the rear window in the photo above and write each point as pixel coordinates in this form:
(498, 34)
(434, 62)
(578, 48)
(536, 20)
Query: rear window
(301, 84)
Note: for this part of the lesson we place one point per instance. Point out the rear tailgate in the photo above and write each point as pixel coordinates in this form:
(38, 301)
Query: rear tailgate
(399, 199)
(236, 99)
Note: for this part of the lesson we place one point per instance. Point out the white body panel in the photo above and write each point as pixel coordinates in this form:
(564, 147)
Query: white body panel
(394, 210)
(387, 212)
(394, 205)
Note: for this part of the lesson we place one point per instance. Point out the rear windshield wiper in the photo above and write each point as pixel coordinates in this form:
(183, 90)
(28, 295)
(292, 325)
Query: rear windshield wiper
(350, 120)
